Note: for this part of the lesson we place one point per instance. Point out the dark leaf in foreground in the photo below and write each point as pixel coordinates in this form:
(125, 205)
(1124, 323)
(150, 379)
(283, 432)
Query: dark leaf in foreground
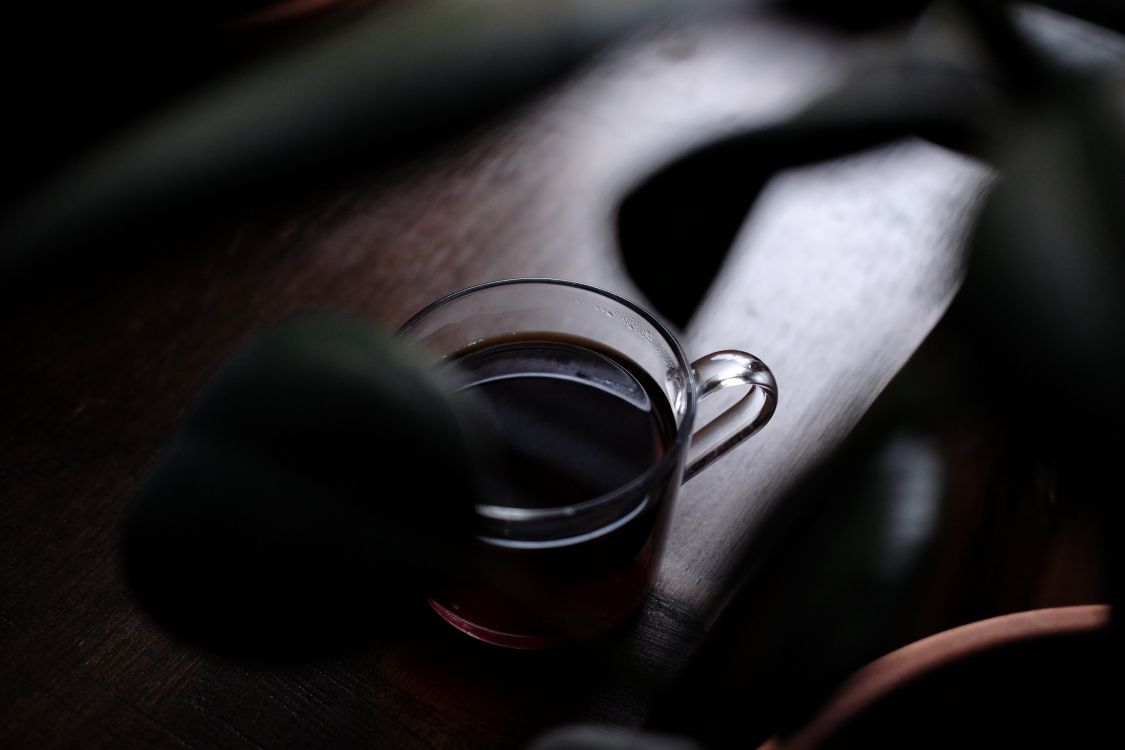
(322, 481)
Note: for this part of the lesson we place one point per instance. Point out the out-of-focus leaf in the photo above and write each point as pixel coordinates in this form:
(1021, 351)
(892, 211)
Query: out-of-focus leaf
(699, 201)
(1046, 291)
(832, 579)
(833, 598)
(1047, 273)
(1110, 15)
(322, 480)
(376, 91)
(860, 15)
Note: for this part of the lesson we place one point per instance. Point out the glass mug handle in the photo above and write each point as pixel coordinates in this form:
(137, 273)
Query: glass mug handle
(725, 369)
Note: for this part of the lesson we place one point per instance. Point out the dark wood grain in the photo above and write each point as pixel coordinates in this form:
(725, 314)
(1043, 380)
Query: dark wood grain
(836, 279)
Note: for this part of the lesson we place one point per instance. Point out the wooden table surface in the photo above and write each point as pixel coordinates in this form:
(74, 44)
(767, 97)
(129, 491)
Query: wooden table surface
(834, 280)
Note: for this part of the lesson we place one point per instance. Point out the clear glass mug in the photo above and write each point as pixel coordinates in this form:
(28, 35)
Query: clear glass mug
(548, 572)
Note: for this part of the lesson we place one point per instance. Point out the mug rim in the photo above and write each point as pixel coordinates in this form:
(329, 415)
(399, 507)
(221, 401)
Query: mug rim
(649, 475)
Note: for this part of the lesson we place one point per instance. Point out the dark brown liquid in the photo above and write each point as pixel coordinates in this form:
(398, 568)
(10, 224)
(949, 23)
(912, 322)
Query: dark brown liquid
(569, 422)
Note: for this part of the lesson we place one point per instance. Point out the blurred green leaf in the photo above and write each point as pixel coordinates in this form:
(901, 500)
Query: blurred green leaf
(926, 86)
(375, 92)
(321, 483)
(1047, 274)
(831, 579)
